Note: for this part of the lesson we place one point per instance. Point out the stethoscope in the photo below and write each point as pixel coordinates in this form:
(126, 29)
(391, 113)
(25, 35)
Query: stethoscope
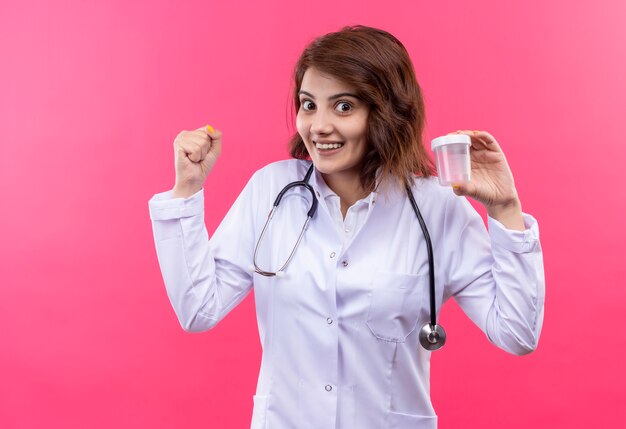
(432, 336)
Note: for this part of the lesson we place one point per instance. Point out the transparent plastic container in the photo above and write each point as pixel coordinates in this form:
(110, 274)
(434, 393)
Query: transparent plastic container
(453, 158)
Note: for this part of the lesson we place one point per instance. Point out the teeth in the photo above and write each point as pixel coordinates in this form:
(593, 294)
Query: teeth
(328, 146)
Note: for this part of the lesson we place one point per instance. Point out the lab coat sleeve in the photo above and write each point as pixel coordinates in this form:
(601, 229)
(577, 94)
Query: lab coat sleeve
(496, 277)
(205, 279)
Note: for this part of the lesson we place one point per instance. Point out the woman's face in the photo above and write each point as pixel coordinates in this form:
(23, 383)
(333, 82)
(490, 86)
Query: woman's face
(332, 121)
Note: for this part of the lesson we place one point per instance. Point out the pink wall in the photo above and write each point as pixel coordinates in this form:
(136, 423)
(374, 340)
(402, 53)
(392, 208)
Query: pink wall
(92, 95)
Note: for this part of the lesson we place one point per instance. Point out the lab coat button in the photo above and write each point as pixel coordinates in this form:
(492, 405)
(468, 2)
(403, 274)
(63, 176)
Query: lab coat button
(329, 320)
(332, 255)
(328, 387)
(344, 262)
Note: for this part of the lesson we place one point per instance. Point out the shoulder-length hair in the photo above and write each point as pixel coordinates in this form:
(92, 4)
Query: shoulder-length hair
(379, 68)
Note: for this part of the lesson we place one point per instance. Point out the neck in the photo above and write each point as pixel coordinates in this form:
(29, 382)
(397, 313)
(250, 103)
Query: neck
(347, 187)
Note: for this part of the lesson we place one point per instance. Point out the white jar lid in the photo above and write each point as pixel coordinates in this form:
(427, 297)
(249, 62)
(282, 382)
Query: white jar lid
(451, 139)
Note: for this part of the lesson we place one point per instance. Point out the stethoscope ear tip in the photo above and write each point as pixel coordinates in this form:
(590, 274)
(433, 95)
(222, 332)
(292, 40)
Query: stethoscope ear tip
(280, 274)
(251, 268)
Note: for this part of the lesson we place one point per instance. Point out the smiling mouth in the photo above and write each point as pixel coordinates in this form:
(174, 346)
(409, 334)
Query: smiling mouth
(328, 146)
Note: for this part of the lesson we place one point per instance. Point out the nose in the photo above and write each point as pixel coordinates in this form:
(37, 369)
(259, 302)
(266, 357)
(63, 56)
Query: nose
(321, 123)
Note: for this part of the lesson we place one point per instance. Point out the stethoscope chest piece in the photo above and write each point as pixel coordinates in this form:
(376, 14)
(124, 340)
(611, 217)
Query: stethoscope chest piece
(432, 337)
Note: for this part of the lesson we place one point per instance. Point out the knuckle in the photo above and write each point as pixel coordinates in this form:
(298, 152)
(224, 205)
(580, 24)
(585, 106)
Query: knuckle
(181, 136)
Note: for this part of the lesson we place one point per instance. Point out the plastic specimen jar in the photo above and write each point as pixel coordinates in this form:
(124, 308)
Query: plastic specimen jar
(453, 158)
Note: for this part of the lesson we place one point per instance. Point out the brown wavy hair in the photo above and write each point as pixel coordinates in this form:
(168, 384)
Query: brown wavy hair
(379, 68)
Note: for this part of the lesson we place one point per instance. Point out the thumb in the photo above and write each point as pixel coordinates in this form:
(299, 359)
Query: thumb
(216, 144)
(461, 189)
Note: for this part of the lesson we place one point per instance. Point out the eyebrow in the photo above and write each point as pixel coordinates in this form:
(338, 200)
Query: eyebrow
(332, 97)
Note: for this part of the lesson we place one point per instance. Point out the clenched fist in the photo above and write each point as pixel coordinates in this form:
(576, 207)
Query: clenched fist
(195, 154)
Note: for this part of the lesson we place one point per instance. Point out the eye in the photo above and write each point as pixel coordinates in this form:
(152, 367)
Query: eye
(343, 107)
(307, 105)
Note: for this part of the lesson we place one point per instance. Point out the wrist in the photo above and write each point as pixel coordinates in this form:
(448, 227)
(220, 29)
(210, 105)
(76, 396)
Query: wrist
(185, 191)
(510, 206)
(508, 214)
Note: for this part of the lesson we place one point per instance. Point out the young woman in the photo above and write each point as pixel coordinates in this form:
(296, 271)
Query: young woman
(341, 302)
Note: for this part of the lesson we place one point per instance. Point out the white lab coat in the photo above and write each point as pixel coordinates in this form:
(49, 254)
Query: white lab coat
(340, 330)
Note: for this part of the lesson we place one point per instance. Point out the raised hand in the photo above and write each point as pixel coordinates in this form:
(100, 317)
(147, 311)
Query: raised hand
(195, 155)
(492, 182)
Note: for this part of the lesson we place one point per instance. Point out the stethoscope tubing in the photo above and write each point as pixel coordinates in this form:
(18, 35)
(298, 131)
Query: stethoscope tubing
(432, 336)
(431, 258)
(310, 214)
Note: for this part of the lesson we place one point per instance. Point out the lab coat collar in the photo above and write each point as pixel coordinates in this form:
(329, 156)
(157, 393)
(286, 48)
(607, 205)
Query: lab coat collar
(388, 191)
(323, 191)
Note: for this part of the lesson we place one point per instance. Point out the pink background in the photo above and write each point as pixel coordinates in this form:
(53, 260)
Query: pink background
(92, 95)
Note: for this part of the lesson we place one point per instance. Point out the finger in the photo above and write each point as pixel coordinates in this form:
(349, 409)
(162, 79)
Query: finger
(476, 143)
(216, 141)
(210, 131)
(203, 129)
(191, 150)
(470, 133)
(464, 189)
(211, 157)
(481, 140)
(457, 189)
(488, 141)
(203, 137)
(214, 134)
(216, 147)
(485, 137)
(203, 132)
(204, 143)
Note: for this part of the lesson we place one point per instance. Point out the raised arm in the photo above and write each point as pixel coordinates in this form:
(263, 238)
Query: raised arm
(497, 278)
(205, 279)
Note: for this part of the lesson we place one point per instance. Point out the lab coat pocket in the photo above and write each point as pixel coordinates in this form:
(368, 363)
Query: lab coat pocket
(395, 304)
(259, 412)
(410, 421)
